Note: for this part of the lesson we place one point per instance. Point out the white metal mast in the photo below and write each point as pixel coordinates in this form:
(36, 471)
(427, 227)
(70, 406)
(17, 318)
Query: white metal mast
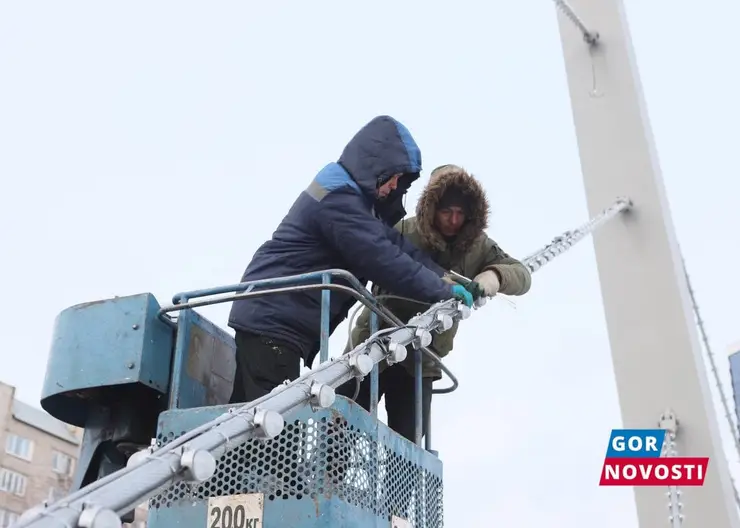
(654, 343)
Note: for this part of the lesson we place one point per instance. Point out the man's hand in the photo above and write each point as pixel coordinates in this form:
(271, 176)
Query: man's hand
(449, 279)
(489, 282)
(475, 289)
(461, 294)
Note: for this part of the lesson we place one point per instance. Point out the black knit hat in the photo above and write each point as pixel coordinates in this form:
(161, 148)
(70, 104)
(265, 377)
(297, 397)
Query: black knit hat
(454, 197)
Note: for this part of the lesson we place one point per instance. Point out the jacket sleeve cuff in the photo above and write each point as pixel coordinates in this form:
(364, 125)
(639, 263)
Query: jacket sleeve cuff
(515, 279)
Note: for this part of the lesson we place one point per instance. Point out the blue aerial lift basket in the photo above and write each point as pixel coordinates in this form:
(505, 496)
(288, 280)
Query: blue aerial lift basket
(337, 467)
(127, 372)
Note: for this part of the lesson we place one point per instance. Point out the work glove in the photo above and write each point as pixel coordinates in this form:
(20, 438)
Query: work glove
(488, 281)
(475, 289)
(461, 294)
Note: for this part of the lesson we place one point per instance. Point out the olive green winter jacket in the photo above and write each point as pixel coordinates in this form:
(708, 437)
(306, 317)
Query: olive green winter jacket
(471, 253)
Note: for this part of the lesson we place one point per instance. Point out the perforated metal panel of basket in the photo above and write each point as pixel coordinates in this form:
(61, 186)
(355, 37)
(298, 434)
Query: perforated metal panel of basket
(323, 455)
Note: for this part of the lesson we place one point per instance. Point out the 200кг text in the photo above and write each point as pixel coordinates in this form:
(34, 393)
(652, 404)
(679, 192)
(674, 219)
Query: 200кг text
(228, 517)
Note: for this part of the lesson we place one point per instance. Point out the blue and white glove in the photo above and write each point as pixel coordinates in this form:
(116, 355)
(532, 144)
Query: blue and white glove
(461, 294)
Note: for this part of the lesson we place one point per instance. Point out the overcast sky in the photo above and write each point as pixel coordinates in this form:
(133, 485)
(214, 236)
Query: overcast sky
(154, 146)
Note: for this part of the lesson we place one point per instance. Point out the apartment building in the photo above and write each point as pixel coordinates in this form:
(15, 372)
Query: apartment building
(37, 456)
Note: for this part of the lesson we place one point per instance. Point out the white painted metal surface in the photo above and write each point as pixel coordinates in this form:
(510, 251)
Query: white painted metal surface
(654, 343)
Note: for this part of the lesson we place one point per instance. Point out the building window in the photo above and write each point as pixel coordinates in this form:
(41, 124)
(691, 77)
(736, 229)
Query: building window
(7, 518)
(12, 482)
(54, 495)
(61, 463)
(19, 447)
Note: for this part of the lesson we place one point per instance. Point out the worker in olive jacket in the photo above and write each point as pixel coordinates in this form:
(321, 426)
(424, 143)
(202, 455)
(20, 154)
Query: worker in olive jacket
(451, 216)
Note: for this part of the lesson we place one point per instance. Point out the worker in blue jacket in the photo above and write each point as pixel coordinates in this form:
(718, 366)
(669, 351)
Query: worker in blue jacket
(342, 220)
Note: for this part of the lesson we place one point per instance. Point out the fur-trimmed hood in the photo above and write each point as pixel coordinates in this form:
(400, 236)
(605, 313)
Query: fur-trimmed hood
(441, 179)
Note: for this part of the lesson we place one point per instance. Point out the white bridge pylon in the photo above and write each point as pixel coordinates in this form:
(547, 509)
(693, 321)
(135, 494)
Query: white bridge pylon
(655, 348)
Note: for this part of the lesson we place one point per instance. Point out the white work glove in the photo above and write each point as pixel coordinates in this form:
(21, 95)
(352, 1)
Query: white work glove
(488, 280)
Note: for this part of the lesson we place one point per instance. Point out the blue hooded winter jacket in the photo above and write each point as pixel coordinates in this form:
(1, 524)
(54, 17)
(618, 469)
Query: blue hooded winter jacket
(337, 222)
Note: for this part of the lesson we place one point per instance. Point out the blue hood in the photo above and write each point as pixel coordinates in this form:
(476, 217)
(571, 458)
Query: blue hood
(382, 148)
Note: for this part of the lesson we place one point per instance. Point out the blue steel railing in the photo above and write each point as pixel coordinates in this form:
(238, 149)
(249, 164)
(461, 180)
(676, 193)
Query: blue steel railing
(317, 280)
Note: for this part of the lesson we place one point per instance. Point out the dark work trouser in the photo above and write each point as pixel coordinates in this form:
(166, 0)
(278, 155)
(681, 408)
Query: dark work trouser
(398, 387)
(263, 363)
